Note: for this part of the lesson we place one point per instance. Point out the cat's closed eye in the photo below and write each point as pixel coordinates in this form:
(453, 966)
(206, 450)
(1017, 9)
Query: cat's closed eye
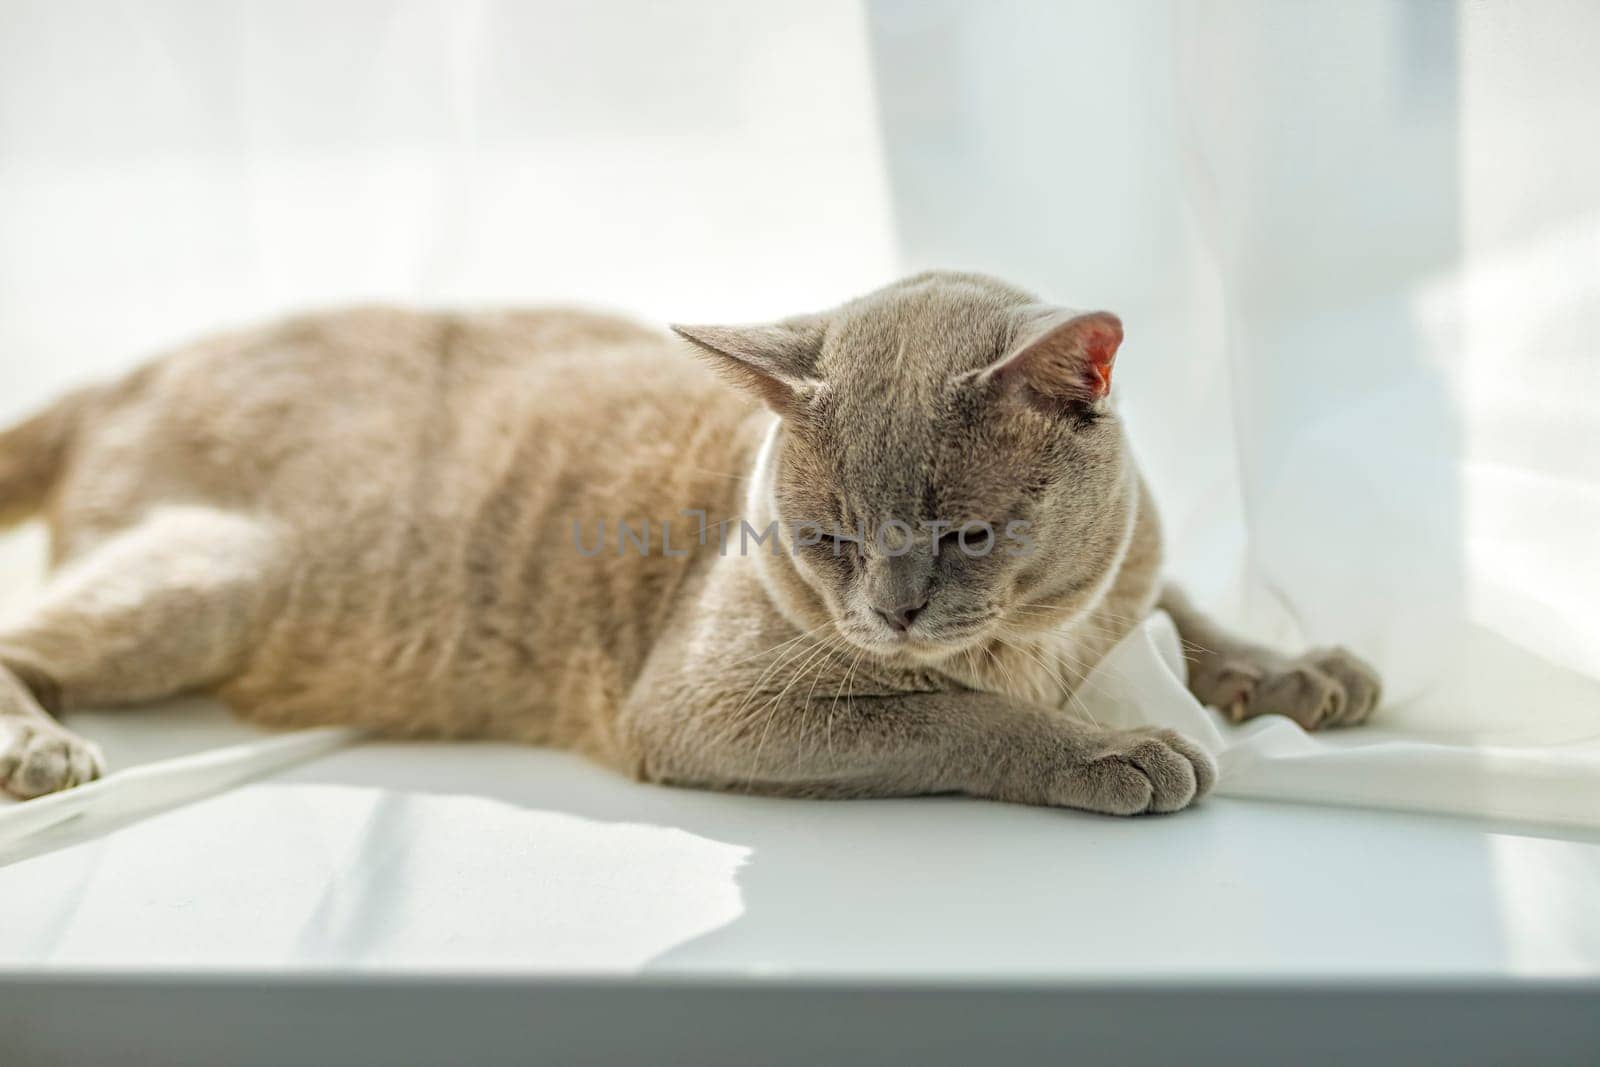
(970, 538)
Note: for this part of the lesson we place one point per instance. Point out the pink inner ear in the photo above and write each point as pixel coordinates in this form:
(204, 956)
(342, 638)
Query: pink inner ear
(1100, 334)
(1069, 361)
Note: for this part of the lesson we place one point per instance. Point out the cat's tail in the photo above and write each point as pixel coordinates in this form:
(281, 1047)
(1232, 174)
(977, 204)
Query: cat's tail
(34, 452)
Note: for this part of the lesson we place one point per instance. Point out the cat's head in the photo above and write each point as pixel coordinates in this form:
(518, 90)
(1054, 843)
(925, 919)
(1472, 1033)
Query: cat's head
(942, 402)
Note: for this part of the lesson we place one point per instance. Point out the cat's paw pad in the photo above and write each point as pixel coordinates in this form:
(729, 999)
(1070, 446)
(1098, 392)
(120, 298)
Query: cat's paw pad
(1140, 771)
(40, 757)
(1323, 688)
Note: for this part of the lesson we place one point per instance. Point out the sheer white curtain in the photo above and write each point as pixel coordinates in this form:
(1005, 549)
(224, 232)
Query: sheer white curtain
(174, 165)
(1356, 245)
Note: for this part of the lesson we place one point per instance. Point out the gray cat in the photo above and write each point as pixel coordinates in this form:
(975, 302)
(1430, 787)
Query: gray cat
(878, 566)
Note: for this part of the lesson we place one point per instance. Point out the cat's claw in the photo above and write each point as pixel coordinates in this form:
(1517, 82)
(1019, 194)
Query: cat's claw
(39, 757)
(1323, 688)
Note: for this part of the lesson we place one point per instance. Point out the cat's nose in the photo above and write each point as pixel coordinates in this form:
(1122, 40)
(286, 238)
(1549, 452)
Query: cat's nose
(900, 618)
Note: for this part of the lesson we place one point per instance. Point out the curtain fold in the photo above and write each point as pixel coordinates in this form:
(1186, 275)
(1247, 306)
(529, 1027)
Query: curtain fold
(1355, 246)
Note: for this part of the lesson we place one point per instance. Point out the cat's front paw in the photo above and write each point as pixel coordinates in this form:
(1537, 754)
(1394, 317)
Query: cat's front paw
(1137, 772)
(1325, 687)
(38, 757)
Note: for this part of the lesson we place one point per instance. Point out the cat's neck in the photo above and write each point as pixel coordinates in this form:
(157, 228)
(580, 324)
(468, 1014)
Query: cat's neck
(791, 595)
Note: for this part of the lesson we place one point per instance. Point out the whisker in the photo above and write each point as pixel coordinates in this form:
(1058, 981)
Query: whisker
(780, 644)
(849, 675)
(1072, 696)
(776, 706)
(1077, 669)
(805, 657)
(790, 656)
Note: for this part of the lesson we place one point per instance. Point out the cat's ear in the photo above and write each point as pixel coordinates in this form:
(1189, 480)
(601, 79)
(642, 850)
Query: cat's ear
(1061, 360)
(776, 361)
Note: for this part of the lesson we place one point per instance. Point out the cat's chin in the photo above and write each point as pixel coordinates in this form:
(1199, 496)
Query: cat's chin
(914, 649)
